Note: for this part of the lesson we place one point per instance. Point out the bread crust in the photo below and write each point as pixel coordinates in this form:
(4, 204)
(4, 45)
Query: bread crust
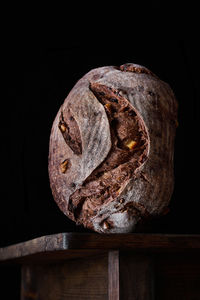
(75, 154)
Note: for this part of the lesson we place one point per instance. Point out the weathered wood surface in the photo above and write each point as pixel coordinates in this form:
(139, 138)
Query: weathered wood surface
(93, 266)
(113, 275)
(78, 279)
(136, 276)
(130, 276)
(118, 276)
(64, 245)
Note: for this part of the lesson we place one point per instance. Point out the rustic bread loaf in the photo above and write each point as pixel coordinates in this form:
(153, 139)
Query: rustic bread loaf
(111, 149)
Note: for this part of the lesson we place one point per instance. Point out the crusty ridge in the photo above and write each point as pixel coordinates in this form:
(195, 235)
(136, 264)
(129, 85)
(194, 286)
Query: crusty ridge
(151, 186)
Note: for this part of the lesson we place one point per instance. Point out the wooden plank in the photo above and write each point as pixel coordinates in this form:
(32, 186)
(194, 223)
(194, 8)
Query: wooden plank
(80, 279)
(53, 256)
(113, 275)
(136, 277)
(95, 241)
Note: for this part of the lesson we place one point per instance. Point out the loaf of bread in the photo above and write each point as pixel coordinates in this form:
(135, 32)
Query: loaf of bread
(111, 149)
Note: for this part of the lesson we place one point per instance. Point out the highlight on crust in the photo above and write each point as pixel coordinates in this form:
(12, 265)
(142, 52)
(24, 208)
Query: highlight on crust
(111, 149)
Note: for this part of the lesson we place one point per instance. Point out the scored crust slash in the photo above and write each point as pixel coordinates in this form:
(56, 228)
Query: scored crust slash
(111, 149)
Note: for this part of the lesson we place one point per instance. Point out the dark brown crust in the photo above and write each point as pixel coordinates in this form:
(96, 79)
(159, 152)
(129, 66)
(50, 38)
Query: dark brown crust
(136, 69)
(104, 182)
(70, 131)
(105, 104)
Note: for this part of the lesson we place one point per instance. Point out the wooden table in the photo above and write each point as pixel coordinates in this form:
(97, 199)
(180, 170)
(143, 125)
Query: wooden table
(88, 266)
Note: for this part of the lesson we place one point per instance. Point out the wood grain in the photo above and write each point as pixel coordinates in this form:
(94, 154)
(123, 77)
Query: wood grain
(136, 277)
(79, 244)
(80, 279)
(113, 275)
(93, 266)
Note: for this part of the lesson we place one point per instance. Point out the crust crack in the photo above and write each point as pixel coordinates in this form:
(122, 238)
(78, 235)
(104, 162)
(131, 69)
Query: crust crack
(70, 131)
(129, 150)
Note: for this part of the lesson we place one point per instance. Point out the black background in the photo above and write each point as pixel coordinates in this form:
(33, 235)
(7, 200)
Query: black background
(36, 81)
